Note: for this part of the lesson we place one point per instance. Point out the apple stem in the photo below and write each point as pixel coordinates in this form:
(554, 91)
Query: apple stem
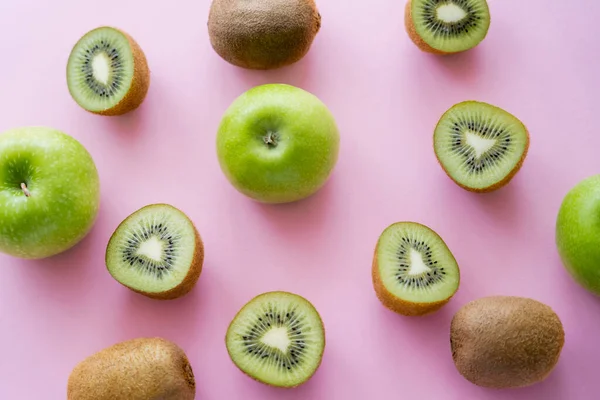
(270, 139)
(25, 190)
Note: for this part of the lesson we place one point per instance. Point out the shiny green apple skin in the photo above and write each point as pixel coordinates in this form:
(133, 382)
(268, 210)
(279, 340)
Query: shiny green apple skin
(277, 143)
(59, 201)
(578, 233)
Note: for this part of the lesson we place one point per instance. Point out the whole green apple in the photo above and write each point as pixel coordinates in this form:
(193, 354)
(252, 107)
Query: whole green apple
(578, 233)
(49, 192)
(277, 143)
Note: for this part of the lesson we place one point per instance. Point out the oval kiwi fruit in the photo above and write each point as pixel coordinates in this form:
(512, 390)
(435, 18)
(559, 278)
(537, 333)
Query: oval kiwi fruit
(278, 339)
(414, 272)
(481, 147)
(263, 34)
(506, 341)
(107, 72)
(156, 251)
(137, 369)
(446, 26)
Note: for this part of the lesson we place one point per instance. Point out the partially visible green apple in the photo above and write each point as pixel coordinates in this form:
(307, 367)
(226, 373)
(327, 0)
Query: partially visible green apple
(49, 192)
(277, 143)
(578, 233)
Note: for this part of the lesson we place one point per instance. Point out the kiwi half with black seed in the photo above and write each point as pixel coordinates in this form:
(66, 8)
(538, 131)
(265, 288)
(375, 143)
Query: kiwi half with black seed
(156, 251)
(414, 272)
(481, 147)
(107, 72)
(447, 26)
(278, 339)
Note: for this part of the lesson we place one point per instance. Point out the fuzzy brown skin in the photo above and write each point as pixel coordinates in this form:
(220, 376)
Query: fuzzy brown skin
(190, 280)
(267, 383)
(139, 84)
(506, 341)
(137, 369)
(409, 24)
(396, 304)
(263, 34)
(499, 184)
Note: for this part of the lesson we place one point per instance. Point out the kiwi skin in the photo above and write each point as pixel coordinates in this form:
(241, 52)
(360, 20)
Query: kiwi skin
(140, 82)
(409, 24)
(320, 355)
(506, 341)
(506, 179)
(190, 279)
(136, 369)
(280, 37)
(396, 304)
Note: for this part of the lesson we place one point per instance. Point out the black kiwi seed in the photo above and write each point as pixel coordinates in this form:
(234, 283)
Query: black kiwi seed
(147, 265)
(404, 263)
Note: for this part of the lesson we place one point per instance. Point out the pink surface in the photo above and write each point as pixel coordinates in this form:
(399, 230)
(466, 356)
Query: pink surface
(539, 62)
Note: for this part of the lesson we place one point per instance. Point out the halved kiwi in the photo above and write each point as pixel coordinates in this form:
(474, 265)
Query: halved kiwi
(414, 272)
(480, 146)
(447, 26)
(156, 251)
(107, 72)
(277, 338)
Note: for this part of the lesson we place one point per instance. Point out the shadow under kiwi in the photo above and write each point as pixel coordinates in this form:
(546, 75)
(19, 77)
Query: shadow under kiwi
(177, 319)
(297, 74)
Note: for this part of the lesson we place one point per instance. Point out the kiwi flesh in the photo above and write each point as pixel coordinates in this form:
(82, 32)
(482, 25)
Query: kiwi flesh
(446, 26)
(278, 339)
(156, 251)
(136, 369)
(263, 34)
(414, 272)
(506, 341)
(481, 147)
(107, 72)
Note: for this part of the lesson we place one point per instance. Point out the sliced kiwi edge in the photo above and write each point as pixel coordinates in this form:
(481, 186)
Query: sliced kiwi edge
(509, 176)
(395, 303)
(140, 81)
(193, 274)
(249, 305)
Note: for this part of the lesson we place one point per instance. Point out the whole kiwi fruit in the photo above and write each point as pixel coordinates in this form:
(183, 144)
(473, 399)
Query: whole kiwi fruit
(506, 341)
(263, 34)
(137, 369)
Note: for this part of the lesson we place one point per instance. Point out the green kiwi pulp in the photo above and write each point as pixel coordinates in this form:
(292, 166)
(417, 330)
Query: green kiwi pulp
(480, 146)
(156, 251)
(414, 271)
(451, 26)
(107, 72)
(277, 338)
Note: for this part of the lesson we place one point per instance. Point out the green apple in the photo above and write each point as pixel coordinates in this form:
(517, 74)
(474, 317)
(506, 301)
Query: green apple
(49, 192)
(578, 233)
(277, 143)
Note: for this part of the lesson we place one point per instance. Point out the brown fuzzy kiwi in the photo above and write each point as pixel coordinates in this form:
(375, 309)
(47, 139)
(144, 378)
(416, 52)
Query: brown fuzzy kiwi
(409, 24)
(263, 34)
(192, 276)
(506, 341)
(508, 177)
(137, 369)
(140, 82)
(397, 304)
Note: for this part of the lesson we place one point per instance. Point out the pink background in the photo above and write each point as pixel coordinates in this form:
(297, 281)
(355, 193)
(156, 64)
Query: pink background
(539, 62)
